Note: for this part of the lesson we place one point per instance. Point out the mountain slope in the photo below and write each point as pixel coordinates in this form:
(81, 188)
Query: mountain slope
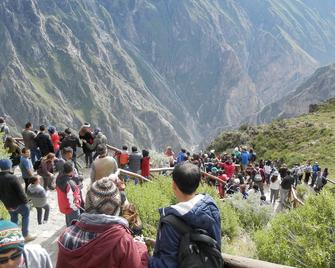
(154, 73)
(318, 87)
(295, 140)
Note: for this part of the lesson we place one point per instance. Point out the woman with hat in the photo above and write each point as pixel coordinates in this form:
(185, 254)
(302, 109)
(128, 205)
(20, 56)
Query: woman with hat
(101, 238)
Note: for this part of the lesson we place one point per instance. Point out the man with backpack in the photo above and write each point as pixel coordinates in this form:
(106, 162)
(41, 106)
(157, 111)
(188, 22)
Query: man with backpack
(189, 234)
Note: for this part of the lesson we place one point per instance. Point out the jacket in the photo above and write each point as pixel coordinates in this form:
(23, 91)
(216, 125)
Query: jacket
(11, 191)
(199, 212)
(43, 141)
(245, 158)
(135, 161)
(99, 240)
(45, 168)
(29, 139)
(37, 195)
(36, 257)
(99, 139)
(70, 141)
(55, 139)
(229, 168)
(68, 194)
(145, 166)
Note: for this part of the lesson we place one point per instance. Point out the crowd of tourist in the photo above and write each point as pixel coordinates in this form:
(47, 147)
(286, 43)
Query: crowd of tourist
(103, 228)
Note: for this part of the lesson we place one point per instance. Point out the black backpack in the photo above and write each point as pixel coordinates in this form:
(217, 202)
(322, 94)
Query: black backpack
(197, 249)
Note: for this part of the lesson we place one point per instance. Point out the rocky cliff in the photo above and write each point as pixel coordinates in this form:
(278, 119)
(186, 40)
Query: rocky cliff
(320, 86)
(154, 73)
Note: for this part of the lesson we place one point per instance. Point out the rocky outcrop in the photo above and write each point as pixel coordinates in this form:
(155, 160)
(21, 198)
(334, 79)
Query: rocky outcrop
(317, 88)
(154, 73)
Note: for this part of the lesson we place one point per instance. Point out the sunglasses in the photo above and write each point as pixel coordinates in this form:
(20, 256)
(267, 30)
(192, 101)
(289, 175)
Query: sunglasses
(12, 257)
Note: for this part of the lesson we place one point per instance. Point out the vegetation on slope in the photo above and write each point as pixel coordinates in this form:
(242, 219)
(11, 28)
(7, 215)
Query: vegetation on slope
(295, 140)
(303, 237)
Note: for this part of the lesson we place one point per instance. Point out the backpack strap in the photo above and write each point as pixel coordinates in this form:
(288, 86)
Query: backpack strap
(183, 228)
(177, 223)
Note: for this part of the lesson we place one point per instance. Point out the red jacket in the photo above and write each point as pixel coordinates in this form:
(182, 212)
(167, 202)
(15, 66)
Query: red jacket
(113, 247)
(228, 168)
(68, 194)
(145, 166)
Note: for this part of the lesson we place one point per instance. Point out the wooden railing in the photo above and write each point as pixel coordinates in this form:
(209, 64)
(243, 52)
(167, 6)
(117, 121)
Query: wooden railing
(231, 261)
(294, 200)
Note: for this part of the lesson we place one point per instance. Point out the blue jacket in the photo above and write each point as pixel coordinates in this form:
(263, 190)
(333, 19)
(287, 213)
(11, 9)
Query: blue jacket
(181, 157)
(245, 158)
(316, 168)
(200, 212)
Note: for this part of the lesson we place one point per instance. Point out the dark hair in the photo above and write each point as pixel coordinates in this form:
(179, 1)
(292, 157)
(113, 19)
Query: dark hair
(68, 167)
(124, 147)
(24, 150)
(145, 153)
(183, 150)
(28, 125)
(42, 127)
(67, 131)
(134, 149)
(263, 198)
(33, 179)
(187, 177)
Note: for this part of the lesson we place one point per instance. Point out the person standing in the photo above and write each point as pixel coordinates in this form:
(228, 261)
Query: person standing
(135, 161)
(68, 194)
(86, 136)
(55, 140)
(198, 211)
(99, 138)
(43, 142)
(46, 170)
(26, 166)
(275, 182)
(285, 188)
(308, 172)
(104, 165)
(38, 197)
(145, 164)
(14, 198)
(29, 136)
(315, 168)
(72, 141)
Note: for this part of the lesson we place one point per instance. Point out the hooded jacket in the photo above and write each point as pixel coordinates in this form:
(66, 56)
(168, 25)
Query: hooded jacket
(37, 194)
(99, 240)
(199, 212)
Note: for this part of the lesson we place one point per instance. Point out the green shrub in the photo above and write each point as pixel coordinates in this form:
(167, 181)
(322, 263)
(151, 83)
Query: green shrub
(252, 215)
(303, 191)
(303, 237)
(148, 198)
(151, 196)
